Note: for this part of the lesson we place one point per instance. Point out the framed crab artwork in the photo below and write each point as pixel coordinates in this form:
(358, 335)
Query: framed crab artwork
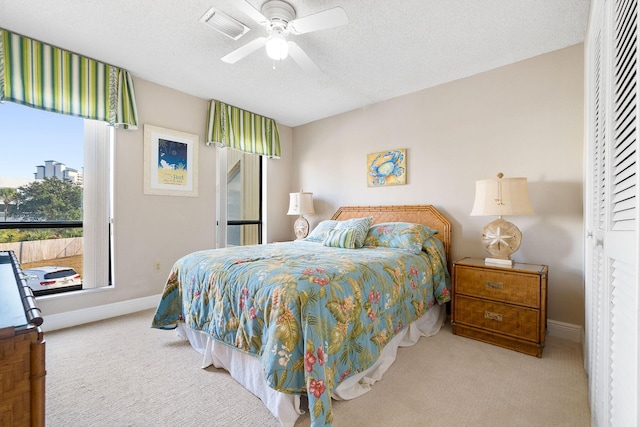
(387, 168)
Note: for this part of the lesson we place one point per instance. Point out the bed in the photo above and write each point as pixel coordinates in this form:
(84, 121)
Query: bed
(320, 317)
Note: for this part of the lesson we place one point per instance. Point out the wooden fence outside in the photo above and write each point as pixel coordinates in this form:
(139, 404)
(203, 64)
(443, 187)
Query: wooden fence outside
(37, 250)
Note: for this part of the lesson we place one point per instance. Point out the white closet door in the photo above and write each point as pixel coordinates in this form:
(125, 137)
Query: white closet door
(597, 314)
(621, 238)
(611, 213)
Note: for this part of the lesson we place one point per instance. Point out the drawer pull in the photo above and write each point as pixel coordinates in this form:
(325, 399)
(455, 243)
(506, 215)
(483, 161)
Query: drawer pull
(493, 285)
(493, 316)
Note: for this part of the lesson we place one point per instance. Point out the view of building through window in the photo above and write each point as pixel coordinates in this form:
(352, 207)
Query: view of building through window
(41, 194)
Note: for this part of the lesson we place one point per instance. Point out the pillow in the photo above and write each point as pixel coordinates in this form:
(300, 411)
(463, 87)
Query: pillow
(360, 224)
(401, 235)
(320, 232)
(434, 242)
(341, 238)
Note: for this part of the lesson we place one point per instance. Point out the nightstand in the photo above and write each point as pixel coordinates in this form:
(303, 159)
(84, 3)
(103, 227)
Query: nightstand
(505, 306)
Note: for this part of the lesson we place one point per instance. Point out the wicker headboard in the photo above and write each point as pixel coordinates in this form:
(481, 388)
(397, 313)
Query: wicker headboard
(421, 214)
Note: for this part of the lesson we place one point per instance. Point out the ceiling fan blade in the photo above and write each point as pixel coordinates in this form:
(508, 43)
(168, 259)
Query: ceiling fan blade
(324, 20)
(244, 50)
(303, 60)
(251, 12)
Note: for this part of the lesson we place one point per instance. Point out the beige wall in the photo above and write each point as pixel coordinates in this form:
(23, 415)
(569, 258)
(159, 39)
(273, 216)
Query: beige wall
(525, 119)
(277, 173)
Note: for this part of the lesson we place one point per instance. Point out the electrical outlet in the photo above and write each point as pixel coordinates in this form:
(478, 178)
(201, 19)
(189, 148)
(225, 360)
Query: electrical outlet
(156, 266)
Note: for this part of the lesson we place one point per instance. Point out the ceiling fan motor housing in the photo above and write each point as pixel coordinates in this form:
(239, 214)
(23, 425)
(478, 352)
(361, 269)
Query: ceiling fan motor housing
(278, 12)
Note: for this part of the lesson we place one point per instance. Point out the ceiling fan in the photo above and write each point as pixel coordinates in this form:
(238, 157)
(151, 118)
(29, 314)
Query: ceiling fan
(279, 18)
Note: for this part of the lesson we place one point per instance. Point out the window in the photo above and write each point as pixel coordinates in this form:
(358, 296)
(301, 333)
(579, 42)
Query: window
(55, 194)
(239, 198)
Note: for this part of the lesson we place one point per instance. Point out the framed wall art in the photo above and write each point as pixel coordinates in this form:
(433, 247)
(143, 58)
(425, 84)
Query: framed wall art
(387, 168)
(170, 162)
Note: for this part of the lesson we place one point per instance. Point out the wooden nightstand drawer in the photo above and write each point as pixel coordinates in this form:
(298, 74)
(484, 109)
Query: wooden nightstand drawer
(519, 322)
(500, 305)
(509, 287)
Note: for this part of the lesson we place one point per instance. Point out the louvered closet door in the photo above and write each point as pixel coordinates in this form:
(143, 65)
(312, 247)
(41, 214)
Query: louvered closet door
(612, 208)
(596, 323)
(621, 236)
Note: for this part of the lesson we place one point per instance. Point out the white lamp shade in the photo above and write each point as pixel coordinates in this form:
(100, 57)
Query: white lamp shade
(501, 197)
(301, 204)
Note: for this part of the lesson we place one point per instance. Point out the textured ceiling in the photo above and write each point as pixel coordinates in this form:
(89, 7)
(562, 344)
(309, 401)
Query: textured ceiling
(388, 48)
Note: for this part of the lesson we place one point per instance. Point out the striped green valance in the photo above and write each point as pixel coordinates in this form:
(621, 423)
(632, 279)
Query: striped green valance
(232, 127)
(46, 77)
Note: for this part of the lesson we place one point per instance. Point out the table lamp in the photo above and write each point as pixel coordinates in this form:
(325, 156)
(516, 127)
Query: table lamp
(301, 204)
(501, 197)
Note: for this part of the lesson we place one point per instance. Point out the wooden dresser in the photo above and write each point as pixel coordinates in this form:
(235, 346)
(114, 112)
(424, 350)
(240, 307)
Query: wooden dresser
(22, 355)
(505, 306)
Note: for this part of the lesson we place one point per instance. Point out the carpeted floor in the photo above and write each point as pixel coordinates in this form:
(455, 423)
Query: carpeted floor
(120, 372)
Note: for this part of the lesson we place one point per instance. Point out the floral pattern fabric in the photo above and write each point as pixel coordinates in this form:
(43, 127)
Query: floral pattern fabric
(314, 315)
(401, 235)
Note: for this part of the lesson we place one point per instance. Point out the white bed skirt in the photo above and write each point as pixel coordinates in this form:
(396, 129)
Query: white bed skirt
(247, 370)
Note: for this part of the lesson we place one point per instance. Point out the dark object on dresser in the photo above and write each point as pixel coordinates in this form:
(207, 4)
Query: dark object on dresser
(22, 349)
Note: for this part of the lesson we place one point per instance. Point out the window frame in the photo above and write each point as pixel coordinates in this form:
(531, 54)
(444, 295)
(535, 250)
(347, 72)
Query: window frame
(97, 207)
(222, 199)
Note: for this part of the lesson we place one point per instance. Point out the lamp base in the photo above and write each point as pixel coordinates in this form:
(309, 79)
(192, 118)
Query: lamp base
(501, 239)
(301, 227)
(499, 262)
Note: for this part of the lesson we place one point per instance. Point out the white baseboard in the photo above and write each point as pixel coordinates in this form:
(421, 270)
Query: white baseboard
(101, 312)
(566, 331)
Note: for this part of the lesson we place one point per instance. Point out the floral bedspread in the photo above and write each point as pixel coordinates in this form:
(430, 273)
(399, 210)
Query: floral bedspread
(312, 314)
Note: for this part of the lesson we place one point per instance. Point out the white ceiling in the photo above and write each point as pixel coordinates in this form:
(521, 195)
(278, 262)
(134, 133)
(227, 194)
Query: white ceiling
(388, 48)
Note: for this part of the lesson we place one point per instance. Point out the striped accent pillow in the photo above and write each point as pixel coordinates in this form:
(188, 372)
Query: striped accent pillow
(320, 232)
(343, 238)
(360, 224)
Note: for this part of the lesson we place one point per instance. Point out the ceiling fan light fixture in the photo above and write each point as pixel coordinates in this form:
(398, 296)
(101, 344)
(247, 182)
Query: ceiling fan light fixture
(277, 47)
(280, 20)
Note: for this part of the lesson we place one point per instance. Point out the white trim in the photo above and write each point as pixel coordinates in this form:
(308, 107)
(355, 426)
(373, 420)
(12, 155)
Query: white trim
(221, 201)
(96, 203)
(566, 331)
(92, 314)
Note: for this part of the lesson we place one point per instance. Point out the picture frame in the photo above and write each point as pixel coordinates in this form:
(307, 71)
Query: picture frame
(170, 162)
(386, 168)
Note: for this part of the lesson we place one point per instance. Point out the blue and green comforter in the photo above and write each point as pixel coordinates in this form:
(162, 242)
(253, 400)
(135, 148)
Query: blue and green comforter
(313, 315)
